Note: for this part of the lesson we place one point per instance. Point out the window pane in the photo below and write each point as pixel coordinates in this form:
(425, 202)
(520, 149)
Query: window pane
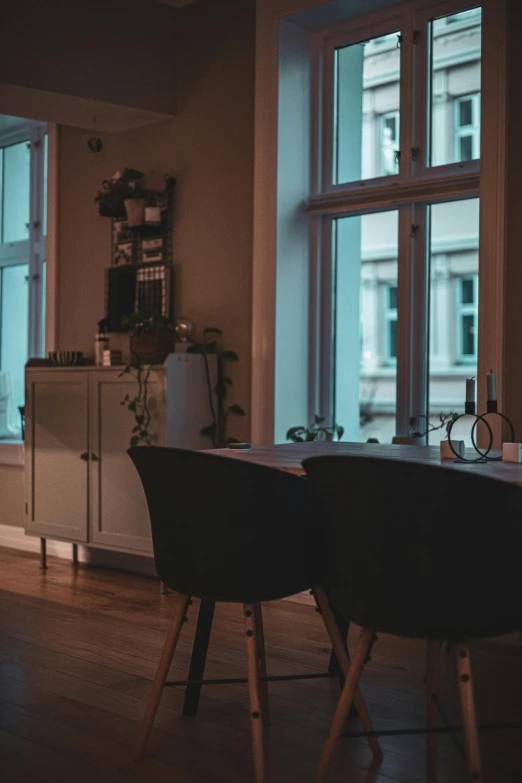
(466, 148)
(466, 112)
(455, 88)
(454, 254)
(14, 325)
(468, 336)
(365, 323)
(392, 348)
(468, 292)
(366, 110)
(16, 192)
(392, 297)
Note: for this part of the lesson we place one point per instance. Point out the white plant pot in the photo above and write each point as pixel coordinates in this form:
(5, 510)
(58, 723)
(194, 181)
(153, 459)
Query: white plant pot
(446, 452)
(135, 209)
(153, 215)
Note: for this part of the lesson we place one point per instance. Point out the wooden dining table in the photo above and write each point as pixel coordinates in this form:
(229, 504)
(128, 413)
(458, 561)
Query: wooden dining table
(290, 457)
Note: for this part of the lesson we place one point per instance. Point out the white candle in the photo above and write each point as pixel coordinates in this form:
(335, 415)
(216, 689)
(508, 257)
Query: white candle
(470, 390)
(492, 386)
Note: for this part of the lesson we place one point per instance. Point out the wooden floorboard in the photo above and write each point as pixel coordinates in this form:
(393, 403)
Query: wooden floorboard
(79, 648)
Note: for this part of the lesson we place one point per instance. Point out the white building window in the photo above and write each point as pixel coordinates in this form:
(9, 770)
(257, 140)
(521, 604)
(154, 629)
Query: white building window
(23, 152)
(467, 127)
(390, 323)
(389, 143)
(467, 315)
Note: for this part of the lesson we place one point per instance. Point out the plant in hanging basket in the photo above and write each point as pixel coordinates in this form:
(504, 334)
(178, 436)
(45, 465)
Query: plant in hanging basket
(121, 187)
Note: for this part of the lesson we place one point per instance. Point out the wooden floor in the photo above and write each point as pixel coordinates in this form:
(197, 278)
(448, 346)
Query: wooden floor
(78, 649)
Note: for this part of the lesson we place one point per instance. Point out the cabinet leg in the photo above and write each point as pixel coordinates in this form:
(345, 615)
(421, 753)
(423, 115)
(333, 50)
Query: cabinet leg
(75, 555)
(43, 553)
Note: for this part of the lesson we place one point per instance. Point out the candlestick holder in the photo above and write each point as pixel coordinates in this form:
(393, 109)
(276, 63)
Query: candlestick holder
(470, 410)
(492, 409)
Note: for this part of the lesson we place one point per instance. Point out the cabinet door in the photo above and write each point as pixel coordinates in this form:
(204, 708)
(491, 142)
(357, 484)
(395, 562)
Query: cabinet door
(119, 514)
(56, 454)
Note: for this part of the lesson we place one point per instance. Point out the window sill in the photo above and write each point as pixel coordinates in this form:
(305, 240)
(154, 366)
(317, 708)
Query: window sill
(12, 453)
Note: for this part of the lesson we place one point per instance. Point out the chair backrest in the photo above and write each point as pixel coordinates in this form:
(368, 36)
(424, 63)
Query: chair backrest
(227, 529)
(418, 550)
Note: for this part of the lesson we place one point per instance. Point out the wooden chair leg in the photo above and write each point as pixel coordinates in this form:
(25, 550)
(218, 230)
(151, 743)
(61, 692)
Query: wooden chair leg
(432, 686)
(161, 673)
(254, 692)
(343, 707)
(258, 619)
(343, 658)
(467, 706)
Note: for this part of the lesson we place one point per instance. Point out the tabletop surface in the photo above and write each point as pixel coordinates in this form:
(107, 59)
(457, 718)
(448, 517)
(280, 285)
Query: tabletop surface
(289, 456)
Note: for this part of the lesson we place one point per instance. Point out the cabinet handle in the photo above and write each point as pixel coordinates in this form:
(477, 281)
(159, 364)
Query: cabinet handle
(95, 458)
(84, 456)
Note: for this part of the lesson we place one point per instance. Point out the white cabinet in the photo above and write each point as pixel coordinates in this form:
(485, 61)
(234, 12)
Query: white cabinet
(56, 459)
(81, 485)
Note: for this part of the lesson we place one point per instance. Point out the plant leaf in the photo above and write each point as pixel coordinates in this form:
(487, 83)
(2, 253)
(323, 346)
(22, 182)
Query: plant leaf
(232, 440)
(134, 441)
(212, 330)
(231, 356)
(221, 389)
(340, 432)
(237, 409)
(195, 348)
(293, 431)
(210, 430)
(319, 419)
(227, 380)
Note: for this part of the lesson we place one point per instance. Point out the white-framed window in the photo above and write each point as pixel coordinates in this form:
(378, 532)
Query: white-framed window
(467, 319)
(408, 92)
(389, 143)
(467, 127)
(390, 323)
(23, 219)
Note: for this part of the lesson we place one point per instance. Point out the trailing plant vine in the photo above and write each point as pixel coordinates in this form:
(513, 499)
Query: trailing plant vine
(138, 404)
(220, 412)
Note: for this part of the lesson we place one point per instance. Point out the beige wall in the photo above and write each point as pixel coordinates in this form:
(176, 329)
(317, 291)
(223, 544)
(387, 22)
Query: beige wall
(209, 148)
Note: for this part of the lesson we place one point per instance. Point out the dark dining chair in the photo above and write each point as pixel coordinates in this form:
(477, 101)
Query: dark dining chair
(424, 552)
(228, 530)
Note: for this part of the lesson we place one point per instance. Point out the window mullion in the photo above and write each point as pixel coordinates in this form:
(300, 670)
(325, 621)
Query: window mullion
(404, 320)
(325, 395)
(36, 241)
(420, 96)
(420, 337)
(407, 141)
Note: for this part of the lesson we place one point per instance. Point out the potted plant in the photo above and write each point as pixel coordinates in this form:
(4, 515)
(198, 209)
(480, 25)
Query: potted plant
(155, 185)
(317, 430)
(151, 338)
(123, 196)
(418, 432)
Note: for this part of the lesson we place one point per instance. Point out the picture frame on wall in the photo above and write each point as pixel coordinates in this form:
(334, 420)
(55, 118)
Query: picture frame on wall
(152, 250)
(123, 254)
